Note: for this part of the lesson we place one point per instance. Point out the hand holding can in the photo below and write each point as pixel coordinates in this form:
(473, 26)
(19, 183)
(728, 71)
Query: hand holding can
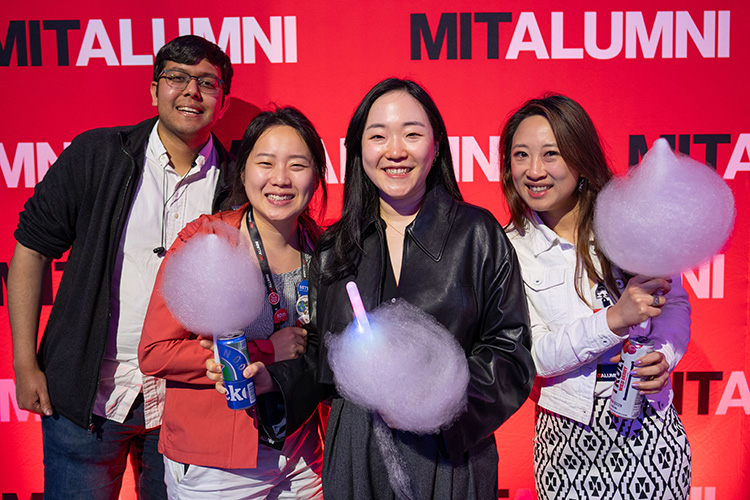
(234, 356)
(626, 400)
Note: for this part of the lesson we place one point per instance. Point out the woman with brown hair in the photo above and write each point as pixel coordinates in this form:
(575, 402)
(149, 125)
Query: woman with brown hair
(581, 310)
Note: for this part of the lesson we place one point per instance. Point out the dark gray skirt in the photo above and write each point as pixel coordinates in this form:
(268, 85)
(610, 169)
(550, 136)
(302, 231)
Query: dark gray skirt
(354, 468)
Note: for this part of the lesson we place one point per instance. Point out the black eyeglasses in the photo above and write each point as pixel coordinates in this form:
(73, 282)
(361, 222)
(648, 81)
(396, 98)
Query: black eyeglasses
(179, 80)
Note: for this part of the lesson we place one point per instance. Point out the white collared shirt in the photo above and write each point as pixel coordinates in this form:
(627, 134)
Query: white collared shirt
(568, 337)
(164, 202)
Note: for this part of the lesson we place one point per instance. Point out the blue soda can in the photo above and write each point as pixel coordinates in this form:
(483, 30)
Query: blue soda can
(235, 358)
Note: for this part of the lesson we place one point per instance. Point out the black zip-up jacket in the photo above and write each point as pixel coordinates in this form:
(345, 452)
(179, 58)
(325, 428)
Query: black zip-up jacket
(81, 205)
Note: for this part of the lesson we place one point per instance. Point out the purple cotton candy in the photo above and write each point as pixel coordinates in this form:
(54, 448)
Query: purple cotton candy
(213, 285)
(408, 368)
(668, 215)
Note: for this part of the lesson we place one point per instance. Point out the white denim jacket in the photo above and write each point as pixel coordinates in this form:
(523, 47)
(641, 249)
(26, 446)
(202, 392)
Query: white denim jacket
(568, 337)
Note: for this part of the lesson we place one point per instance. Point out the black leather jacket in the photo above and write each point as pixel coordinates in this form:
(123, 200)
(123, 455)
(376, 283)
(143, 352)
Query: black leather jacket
(458, 266)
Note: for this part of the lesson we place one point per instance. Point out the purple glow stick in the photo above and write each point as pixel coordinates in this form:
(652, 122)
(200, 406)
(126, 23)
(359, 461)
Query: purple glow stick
(363, 324)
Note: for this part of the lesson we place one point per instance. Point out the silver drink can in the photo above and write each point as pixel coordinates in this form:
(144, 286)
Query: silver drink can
(626, 401)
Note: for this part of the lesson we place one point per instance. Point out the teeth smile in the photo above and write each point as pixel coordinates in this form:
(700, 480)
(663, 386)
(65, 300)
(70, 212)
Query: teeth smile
(279, 197)
(538, 189)
(398, 171)
(189, 110)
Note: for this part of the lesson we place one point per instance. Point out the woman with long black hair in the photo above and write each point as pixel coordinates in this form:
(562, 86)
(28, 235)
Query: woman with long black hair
(406, 233)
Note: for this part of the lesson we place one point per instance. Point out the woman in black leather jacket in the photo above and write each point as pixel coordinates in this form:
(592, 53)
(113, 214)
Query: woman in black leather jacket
(405, 232)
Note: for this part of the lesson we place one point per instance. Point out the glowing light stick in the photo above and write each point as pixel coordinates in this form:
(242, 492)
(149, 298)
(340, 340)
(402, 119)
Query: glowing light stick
(360, 315)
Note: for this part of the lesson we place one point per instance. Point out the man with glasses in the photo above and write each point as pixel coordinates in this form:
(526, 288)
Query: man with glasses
(116, 198)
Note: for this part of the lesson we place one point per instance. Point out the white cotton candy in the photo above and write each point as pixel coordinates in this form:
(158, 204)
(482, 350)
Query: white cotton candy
(409, 368)
(213, 285)
(668, 215)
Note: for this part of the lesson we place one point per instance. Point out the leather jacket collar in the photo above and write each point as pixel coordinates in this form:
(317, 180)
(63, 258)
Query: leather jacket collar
(431, 227)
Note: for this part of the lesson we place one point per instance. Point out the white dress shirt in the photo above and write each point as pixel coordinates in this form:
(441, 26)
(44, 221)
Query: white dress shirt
(164, 202)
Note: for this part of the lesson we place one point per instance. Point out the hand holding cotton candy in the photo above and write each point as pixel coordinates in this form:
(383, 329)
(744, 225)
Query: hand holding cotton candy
(400, 362)
(212, 284)
(668, 215)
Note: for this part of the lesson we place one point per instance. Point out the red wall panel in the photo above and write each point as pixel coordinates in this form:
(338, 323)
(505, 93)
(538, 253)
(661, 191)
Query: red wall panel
(641, 71)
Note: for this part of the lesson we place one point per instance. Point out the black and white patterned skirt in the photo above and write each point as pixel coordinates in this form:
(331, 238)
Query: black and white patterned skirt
(614, 458)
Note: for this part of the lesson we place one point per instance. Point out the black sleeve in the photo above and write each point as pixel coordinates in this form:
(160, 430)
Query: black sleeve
(47, 223)
(500, 364)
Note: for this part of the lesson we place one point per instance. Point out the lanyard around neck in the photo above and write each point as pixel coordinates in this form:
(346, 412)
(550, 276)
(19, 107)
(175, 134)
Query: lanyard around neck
(280, 314)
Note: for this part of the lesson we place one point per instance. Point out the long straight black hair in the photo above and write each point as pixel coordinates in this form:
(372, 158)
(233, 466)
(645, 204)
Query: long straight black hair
(361, 195)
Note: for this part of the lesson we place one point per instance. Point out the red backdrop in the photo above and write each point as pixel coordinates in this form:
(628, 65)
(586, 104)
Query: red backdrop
(679, 71)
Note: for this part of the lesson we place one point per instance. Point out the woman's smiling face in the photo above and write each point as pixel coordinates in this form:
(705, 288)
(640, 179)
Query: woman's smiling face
(279, 175)
(398, 147)
(540, 175)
